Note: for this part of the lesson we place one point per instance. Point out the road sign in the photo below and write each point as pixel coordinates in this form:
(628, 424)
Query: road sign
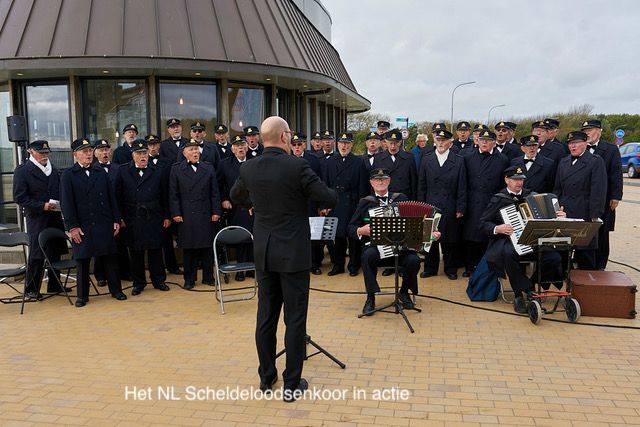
(405, 133)
(619, 133)
(401, 119)
(619, 141)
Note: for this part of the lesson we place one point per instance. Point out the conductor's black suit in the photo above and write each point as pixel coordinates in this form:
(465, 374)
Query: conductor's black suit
(279, 187)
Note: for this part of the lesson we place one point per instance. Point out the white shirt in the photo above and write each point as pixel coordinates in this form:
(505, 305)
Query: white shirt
(442, 157)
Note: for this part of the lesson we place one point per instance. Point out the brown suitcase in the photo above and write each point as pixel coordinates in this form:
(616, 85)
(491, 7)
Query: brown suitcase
(604, 293)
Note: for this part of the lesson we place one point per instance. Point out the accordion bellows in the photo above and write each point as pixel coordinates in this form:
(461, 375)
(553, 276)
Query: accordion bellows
(416, 209)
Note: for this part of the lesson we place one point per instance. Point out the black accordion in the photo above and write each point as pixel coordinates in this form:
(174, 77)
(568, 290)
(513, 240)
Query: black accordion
(540, 206)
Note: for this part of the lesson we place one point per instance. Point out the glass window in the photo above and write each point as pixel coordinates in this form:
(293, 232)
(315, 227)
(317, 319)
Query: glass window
(48, 119)
(109, 105)
(323, 115)
(8, 211)
(189, 102)
(48, 114)
(246, 105)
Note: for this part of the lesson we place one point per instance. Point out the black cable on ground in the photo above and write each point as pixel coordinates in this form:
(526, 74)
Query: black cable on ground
(626, 265)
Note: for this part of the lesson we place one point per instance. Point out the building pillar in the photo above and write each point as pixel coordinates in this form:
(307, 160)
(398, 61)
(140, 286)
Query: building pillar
(223, 111)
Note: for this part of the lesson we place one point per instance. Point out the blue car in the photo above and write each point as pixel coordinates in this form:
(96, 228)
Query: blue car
(630, 156)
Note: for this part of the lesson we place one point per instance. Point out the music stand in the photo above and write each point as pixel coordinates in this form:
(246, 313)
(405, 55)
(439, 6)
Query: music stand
(397, 232)
(323, 231)
(557, 234)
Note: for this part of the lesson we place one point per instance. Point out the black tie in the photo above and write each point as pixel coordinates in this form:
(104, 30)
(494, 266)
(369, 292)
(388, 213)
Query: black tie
(485, 154)
(592, 148)
(500, 147)
(195, 165)
(574, 158)
(528, 161)
(370, 155)
(382, 199)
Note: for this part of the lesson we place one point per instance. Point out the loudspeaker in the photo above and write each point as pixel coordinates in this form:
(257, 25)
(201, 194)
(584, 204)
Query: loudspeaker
(17, 128)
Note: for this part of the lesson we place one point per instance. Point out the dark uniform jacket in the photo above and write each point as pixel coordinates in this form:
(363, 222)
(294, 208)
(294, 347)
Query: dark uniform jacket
(510, 150)
(195, 197)
(540, 176)
(209, 154)
(89, 202)
(368, 160)
(491, 218)
(251, 153)
(31, 190)
(553, 150)
(484, 179)
(349, 179)
(169, 150)
(445, 188)
(144, 204)
(112, 171)
(581, 187)
(611, 156)
(227, 175)
(314, 161)
(224, 151)
(281, 225)
(404, 177)
(122, 154)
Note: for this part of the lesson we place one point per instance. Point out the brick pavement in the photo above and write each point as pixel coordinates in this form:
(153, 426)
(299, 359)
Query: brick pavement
(463, 366)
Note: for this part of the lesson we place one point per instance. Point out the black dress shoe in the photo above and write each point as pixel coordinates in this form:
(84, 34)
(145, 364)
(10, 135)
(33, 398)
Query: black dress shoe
(387, 272)
(136, 291)
(161, 287)
(33, 295)
(290, 395)
(406, 301)
(102, 283)
(425, 274)
(369, 307)
(119, 296)
(240, 277)
(353, 273)
(520, 305)
(335, 270)
(466, 273)
(452, 276)
(316, 271)
(189, 286)
(80, 303)
(267, 386)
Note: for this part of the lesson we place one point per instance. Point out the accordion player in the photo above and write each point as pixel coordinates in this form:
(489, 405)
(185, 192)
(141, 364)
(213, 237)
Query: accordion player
(500, 222)
(359, 228)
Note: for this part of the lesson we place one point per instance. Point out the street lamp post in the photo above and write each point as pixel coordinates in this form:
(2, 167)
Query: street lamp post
(452, 93)
(491, 109)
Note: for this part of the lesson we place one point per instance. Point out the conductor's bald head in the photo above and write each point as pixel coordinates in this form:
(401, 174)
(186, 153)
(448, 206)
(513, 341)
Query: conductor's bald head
(276, 133)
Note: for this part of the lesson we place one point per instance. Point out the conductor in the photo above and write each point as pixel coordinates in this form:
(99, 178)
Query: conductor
(278, 187)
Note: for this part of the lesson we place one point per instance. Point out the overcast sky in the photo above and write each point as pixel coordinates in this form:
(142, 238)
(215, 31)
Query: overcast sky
(538, 57)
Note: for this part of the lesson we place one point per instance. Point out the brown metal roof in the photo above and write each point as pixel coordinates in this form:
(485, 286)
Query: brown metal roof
(253, 32)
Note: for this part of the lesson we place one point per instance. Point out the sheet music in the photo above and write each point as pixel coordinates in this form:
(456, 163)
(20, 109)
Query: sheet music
(381, 211)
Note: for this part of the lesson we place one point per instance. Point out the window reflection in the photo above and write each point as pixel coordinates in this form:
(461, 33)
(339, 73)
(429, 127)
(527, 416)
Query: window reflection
(110, 104)
(189, 102)
(246, 106)
(48, 114)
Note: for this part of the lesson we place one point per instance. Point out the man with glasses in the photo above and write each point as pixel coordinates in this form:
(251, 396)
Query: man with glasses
(279, 187)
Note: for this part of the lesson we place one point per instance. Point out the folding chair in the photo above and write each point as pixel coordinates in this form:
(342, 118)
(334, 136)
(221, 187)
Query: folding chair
(11, 240)
(46, 237)
(228, 236)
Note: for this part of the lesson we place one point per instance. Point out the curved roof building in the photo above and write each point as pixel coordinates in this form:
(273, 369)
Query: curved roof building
(88, 67)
